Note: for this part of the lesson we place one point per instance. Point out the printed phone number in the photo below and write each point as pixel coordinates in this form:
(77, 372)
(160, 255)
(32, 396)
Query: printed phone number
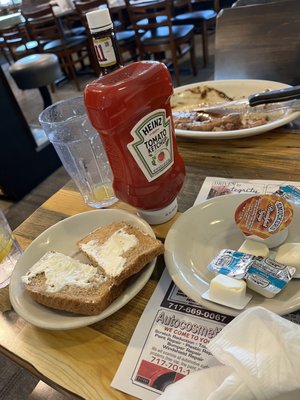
(198, 312)
(170, 365)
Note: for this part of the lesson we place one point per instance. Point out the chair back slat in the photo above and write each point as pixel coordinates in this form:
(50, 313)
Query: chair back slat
(151, 14)
(12, 38)
(181, 6)
(43, 25)
(155, 34)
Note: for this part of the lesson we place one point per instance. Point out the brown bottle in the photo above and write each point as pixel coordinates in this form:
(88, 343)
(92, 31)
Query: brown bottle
(104, 39)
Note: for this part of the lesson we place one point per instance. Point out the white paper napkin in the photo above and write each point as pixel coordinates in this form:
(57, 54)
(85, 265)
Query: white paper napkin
(260, 353)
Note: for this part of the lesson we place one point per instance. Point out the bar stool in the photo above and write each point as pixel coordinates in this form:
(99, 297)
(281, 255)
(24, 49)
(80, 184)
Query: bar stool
(36, 71)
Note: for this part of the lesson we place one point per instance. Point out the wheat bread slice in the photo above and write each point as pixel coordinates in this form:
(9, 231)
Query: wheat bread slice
(91, 299)
(144, 250)
(73, 299)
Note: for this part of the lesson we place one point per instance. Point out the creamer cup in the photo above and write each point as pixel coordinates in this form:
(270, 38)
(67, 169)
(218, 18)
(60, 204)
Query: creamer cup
(265, 218)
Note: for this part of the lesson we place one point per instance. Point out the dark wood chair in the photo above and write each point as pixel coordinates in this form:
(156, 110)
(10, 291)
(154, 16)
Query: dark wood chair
(156, 35)
(44, 27)
(125, 34)
(259, 42)
(4, 51)
(73, 25)
(188, 12)
(241, 3)
(15, 43)
(125, 37)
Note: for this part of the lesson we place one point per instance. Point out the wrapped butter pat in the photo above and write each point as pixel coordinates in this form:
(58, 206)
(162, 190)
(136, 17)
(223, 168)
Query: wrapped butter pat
(228, 291)
(254, 248)
(268, 277)
(231, 263)
(263, 275)
(289, 254)
(290, 193)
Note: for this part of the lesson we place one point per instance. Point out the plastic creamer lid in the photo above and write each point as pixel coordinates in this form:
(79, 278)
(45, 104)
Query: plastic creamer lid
(99, 20)
(264, 216)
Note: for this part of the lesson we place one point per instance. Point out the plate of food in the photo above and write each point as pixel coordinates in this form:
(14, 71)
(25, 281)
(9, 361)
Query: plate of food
(83, 269)
(199, 235)
(191, 123)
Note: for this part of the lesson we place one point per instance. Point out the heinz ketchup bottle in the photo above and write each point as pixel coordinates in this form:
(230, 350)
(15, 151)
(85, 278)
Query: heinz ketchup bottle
(130, 108)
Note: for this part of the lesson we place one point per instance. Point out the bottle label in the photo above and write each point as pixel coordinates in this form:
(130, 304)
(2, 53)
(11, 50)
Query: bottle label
(152, 145)
(105, 51)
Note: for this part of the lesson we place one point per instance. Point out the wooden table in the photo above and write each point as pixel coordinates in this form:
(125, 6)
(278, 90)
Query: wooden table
(83, 361)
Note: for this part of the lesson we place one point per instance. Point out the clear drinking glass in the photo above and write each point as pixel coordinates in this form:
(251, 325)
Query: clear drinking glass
(80, 150)
(10, 251)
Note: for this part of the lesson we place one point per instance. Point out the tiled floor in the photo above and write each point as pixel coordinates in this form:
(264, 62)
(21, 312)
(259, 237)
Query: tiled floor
(16, 383)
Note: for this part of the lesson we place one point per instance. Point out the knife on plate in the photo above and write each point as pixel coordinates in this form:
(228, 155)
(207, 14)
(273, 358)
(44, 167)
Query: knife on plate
(275, 100)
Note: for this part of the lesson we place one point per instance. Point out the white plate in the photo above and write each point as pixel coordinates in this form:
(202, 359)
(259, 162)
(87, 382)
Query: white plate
(62, 237)
(235, 88)
(206, 296)
(197, 237)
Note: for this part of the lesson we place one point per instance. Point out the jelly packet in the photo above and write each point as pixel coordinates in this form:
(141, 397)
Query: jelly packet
(265, 218)
(263, 275)
(290, 193)
(231, 263)
(268, 277)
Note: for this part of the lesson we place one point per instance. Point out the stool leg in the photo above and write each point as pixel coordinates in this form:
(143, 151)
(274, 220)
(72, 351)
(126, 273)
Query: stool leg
(46, 96)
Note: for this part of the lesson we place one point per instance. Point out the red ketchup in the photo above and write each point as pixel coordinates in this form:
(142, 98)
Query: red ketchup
(130, 108)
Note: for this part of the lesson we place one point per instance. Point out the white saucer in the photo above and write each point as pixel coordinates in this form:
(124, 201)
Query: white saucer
(200, 234)
(241, 306)
(62, 237)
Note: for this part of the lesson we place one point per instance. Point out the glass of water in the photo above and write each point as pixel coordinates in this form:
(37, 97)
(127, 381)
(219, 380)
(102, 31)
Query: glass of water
(10, 251)
(80, 150)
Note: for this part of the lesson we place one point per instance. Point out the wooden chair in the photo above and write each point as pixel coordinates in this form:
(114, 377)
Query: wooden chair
(4, 50)
(125, 34)
(185, 13)
(156, 35)
(241, 3)
(73, 25)
(46, 29)
(125, 37)
(211, 4)
(259, 42)
(15, 43)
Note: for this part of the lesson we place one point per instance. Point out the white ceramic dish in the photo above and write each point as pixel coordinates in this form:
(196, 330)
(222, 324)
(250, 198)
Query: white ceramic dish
(206, 296)
(197, 237)
(239, 88)
(62, 237)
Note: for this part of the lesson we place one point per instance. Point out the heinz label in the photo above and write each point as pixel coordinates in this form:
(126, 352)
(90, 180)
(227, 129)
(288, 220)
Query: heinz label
(152, 146)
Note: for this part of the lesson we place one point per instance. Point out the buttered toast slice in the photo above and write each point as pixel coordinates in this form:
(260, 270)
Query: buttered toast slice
(120, 250)
(63, 283)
